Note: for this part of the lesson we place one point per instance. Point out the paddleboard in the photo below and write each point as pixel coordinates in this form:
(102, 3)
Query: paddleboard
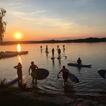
(79, 65)
(73, 78)
(12, 82)
(102, 73)
(41, 73)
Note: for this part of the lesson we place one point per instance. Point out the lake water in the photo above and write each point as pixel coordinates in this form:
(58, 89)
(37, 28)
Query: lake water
(90, 53)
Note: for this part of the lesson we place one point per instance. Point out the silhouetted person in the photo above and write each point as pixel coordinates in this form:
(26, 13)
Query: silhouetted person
(33, 73)
(79, 61)
(53, 52)
(65, 74)
(46, 49)
(57, 47)
(19, 73)
(41, 47)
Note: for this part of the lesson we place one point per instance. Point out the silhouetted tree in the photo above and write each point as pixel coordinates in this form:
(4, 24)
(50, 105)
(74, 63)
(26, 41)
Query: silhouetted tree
(2, 24)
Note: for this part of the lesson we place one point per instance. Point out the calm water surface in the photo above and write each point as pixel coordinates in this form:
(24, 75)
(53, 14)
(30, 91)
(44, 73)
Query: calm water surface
(90, 53)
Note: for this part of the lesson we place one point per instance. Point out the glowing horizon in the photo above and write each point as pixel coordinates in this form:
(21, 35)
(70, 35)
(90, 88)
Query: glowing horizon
(52, 19)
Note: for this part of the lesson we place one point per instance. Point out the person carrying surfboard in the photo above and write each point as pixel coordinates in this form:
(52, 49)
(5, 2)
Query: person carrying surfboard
(33, 73)
(65, 74)
(19, 73)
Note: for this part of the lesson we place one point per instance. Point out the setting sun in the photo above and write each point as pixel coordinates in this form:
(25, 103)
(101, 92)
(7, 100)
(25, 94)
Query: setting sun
(18, 35)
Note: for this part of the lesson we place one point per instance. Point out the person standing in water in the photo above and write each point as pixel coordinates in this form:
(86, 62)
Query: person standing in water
(41, 48)
(33, 72)
(79, 61)
(19, 73)
(65, 74)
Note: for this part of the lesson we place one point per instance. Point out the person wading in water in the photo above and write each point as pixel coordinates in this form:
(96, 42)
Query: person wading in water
(79, 61)
(19, 73)
(33, 73)
(65, 74)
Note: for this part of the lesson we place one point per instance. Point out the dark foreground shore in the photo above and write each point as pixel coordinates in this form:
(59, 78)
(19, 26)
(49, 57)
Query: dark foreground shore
(12, 96)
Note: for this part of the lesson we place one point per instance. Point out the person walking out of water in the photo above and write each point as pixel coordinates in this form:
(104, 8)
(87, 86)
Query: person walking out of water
(19, 73)
(53, 52)
(79, 61)
(65, 74)
(47, 49)
(33, 73)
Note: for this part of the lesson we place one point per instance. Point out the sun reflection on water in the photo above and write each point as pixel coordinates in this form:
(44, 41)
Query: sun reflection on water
(18, 48)
(19, 59)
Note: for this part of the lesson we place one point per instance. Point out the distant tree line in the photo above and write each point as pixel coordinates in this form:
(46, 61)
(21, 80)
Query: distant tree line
(2, 24)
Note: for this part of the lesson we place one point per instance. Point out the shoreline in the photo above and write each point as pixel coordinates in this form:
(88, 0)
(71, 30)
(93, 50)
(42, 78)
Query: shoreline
(36, 97)
(85, 40)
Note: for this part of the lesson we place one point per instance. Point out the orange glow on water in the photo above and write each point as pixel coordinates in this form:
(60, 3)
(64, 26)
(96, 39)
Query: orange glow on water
(19, 59)
(18, 48)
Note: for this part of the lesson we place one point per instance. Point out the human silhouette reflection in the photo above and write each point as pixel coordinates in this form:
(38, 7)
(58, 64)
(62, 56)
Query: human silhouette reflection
(53, 62)
(59, 53)
(59, 60)
(47, 51)
(63, 48)
(47, 55)
(69, 90)
(53, 52)
(79, 69)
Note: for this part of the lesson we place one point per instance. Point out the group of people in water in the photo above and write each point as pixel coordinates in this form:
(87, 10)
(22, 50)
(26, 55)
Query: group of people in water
(53, 51)
(33, 68)
(33, 72)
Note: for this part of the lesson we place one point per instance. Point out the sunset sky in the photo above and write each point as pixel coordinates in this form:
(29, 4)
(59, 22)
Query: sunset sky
(54, 19)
